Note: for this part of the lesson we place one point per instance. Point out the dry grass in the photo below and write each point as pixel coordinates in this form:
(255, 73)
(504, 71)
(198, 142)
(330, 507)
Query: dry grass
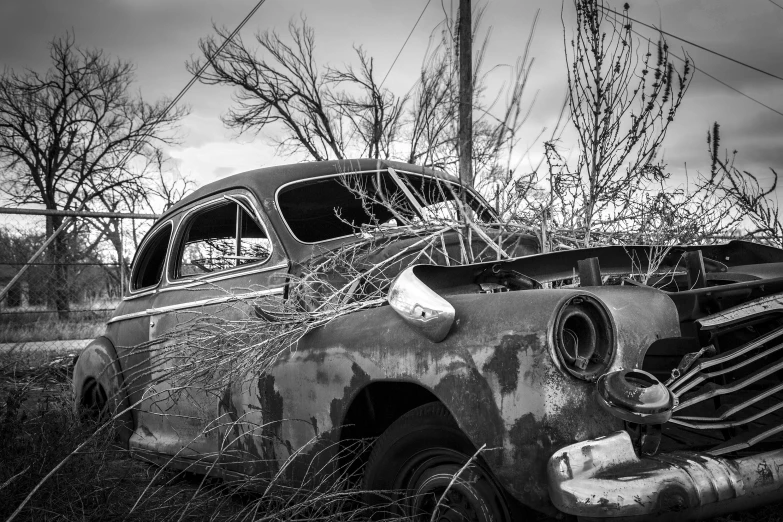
(97, 480)
(39, 430)
(100, 482)
(34, 326)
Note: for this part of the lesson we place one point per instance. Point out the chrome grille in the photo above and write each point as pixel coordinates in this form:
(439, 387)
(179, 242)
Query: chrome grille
(734, 400)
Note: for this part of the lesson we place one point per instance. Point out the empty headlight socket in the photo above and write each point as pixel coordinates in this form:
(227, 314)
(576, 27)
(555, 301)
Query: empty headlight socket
(584, 337)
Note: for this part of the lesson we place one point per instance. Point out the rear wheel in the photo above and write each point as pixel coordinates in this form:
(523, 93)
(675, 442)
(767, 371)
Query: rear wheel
(94, 402)
(417, 459)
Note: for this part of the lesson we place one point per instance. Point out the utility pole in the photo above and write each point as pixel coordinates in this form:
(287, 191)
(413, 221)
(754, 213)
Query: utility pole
(465, 134)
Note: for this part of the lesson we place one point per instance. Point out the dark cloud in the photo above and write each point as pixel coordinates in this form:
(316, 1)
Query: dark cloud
(159, 36)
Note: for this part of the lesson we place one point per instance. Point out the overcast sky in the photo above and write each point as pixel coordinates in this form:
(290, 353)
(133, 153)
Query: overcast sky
(160, 35)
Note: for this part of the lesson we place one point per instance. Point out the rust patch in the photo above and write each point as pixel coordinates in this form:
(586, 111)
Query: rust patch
(535, 439)
(764, 476)
(564, 459)
(587, 452)
(608, 505)
(271, 405)
(469, 398)
(271, 401)
(504, 362)
(673, 499)
(227, 405)
(321, 377)
(339, 405)
(422, 362)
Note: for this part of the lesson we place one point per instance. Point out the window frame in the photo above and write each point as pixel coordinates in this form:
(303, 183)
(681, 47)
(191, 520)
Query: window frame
(415, 201)
(240, 201)
(134, 272)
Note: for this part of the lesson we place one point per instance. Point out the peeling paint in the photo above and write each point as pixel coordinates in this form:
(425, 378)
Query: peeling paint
(505, 360)
(338, 407)
(764, 474)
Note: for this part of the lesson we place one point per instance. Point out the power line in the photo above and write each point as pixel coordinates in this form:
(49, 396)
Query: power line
(693, 44)
(714, 78)
(206, 62)
(637, 33)
(405, 43)
(732, 88)
(192, 81)
(777, 4)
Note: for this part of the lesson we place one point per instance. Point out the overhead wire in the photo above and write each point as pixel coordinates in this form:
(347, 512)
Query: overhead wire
(777, 4)
(191, 82)
(751, 98)
(637, 33)
(716, 53)
(405, 43)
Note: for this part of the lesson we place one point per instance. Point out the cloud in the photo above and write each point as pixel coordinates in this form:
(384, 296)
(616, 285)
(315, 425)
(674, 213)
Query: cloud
(214, 160)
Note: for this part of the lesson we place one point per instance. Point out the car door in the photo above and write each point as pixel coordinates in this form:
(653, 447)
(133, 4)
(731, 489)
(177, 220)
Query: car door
(128, 329)
(225, 257)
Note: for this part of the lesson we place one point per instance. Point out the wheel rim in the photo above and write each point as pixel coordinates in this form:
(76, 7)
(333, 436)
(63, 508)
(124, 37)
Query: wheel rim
(428, 477)
(94, 402)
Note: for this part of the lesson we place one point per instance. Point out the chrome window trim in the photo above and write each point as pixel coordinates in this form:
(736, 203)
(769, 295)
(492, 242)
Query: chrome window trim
(146, 290)
(291, 232)
(222, 274)
(202, 302)
(190, 283)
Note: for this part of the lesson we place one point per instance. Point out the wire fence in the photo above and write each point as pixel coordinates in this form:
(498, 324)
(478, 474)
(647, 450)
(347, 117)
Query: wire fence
(61, 298)
(63, 273)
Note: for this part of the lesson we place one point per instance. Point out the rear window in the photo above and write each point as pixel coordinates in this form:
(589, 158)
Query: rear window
(328, 208)
(149, 264)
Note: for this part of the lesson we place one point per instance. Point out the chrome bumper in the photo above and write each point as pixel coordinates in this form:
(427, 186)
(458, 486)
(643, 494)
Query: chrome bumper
(604, 478)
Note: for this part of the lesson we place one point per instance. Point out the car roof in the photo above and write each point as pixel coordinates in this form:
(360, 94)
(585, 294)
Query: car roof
(265, 181)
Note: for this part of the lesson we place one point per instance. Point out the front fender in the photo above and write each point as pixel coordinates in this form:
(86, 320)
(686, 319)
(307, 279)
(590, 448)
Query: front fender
(99, 361)
(495, 372)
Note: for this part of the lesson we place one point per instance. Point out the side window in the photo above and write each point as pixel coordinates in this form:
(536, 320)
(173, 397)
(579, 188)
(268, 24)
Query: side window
(149, 265)
(220, 238)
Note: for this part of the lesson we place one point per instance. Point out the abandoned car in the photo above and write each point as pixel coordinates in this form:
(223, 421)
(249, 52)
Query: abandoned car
(618, 381)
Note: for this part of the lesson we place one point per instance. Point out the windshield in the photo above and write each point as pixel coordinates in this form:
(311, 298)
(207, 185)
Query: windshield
(327, 208)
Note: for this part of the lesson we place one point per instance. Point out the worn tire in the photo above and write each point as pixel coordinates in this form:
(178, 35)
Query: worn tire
(413, 462)
(93, 403)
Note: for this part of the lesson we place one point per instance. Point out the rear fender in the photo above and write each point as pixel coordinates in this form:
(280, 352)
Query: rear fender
(99, 362)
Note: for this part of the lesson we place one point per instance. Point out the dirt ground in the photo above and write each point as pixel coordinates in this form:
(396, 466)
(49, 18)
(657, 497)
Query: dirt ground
(38, 430)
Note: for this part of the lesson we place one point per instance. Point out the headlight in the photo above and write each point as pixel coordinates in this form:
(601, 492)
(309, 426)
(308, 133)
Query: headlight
(420, 306)
(584, 338)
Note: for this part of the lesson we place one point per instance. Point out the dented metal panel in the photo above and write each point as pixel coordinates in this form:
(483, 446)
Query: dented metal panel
(604, 477)
(495, 372)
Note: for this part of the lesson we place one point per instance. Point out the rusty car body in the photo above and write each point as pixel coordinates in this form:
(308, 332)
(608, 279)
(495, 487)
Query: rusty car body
(610, 398)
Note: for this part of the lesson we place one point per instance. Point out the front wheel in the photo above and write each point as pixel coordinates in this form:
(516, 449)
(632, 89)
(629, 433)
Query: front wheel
(417, 461)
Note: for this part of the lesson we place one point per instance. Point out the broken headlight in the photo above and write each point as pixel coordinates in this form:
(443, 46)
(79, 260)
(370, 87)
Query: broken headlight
(584, 337)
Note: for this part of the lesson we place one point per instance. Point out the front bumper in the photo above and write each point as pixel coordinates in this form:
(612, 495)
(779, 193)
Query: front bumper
(604, 478)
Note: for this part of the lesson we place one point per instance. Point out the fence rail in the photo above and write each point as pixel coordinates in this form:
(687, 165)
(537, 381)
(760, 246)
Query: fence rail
(58, 289)
(75, 213)
(61, 298)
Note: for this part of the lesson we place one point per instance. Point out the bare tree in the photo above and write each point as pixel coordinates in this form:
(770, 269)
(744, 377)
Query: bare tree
(155, 188)
(751, 203)
(374, 114)
(70, 136)
(622, 99)
(283, 85)
(332, 112)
